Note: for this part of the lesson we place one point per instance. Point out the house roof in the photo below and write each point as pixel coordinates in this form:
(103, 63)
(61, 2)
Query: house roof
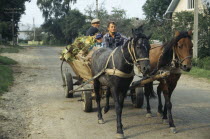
(174, 3)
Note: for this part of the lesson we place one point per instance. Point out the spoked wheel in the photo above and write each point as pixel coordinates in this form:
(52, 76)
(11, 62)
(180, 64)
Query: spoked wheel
(87, 101)
(68, 85)
(137, 97)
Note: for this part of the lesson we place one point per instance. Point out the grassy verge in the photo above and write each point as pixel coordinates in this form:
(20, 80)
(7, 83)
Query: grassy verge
(11, 49)
(198, 72)
(6, 73)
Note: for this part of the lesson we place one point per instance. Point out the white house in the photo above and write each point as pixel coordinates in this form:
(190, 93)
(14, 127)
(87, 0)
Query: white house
(184, 5)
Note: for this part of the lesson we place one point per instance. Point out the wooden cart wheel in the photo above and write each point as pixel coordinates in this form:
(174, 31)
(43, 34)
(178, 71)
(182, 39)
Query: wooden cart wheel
(137, 97)
(68, 85)
(87, 101)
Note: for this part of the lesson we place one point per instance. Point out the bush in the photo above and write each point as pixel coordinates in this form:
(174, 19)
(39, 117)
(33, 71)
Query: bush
(203, 63)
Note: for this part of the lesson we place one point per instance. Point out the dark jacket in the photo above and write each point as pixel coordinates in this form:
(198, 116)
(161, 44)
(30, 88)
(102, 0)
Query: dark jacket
(112, 43)
(92, 31)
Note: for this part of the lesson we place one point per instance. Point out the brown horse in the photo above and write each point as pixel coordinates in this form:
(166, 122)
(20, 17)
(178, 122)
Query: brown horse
(174, 56)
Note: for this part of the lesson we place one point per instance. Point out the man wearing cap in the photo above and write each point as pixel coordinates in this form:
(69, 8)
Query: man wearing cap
(113, 39)
(95, 23)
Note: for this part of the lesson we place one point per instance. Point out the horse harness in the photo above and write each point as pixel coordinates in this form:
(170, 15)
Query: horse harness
(117, 72)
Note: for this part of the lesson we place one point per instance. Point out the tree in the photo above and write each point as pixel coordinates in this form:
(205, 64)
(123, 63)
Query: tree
(124, 24)
(66, 28)
(154, 9)
(60, 21)
(54, 8)
(156, 24)
(6, 7)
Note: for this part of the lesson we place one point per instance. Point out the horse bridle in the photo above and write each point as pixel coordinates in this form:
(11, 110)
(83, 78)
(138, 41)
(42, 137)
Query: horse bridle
(179, 60)
(132, 54)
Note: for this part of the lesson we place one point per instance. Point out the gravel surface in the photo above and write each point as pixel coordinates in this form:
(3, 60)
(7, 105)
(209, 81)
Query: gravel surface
(35, 106)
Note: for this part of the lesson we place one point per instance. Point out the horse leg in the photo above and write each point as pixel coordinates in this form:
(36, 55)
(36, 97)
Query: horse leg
(165, 117)
(147, 95)
(98, 99)
(160, 105)
(118, 108)
(168, 105)
(107, 107)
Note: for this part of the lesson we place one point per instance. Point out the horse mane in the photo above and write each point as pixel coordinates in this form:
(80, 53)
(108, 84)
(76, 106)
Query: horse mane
(167, 55)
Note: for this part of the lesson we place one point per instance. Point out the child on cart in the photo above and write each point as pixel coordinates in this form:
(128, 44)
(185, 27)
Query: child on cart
(99, 44)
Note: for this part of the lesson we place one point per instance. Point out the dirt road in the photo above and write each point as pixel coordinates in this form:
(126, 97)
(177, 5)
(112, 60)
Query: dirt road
(35, 106)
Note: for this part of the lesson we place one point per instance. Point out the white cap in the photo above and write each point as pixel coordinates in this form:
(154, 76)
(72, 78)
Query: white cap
(95, 21)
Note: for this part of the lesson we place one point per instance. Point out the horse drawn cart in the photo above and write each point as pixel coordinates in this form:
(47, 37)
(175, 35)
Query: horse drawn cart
(84, 83)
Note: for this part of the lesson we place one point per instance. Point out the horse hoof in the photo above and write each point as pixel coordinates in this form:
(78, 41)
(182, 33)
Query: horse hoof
(165, 121)
(173, 130)
(106, 109)
(119, 136)
(101, 121)
(148, 115)
(159, 114)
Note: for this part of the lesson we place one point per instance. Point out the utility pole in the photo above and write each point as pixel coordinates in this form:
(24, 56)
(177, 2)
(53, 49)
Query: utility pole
(13, 11)
(195, 33)
(97, 8)
(34, 28)
(13, 30)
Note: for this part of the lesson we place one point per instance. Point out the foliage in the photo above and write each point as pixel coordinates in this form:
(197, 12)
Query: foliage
(199, 72)
(81, 44)
(10, 49)
(154, 9)
(6, 18)
(7, 61)
(6, 73)
(124, 24)
(6, 78)
(54, 9)
(155, 23)
(64, 29)
(203, 63)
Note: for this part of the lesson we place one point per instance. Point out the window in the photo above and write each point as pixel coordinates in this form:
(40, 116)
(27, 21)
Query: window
(190, 4)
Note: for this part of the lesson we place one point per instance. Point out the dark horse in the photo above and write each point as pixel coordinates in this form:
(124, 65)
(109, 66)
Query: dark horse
(173, 56)
(134, 51)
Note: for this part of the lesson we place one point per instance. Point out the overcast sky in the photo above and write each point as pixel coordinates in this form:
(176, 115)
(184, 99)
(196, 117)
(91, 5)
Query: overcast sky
(133, 9)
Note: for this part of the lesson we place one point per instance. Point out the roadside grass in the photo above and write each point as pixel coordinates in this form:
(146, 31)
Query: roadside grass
(6, 78)
(6, 73)
(7, 61)
(11, 49)
(198, 72)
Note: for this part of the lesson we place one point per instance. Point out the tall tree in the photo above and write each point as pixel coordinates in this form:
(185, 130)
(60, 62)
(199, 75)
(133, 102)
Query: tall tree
(154, 9)
(6, 9)
(156, 24)
(54, 8)
(124, 24)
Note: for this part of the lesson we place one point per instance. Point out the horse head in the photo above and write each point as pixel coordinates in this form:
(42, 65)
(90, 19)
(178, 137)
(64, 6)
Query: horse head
(141, 46)
(184, 49)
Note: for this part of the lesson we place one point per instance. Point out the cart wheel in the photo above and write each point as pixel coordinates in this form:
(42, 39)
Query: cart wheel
(137, 97)
(87, 101)
(68, 85)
